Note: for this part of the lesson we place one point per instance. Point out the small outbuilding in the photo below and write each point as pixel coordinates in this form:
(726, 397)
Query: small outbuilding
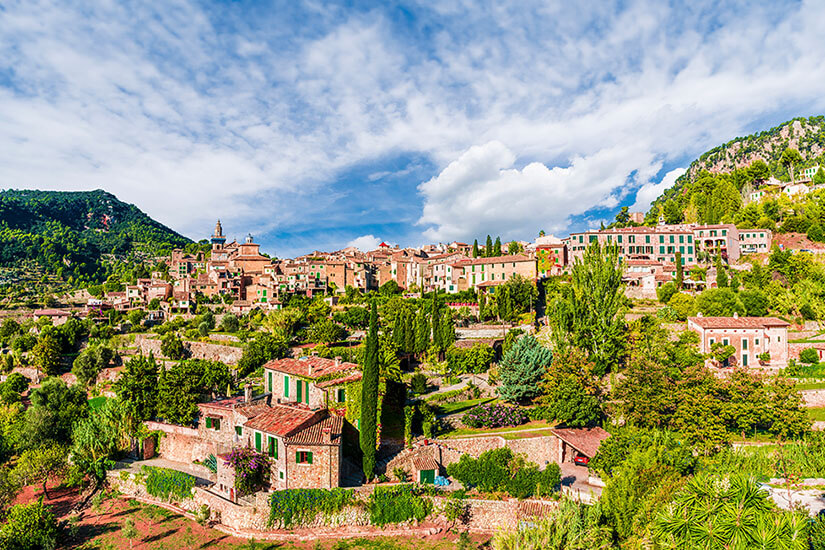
(575, 442)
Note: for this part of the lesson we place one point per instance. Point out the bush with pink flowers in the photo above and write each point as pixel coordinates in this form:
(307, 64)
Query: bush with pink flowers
(251, 469)
(494, 415)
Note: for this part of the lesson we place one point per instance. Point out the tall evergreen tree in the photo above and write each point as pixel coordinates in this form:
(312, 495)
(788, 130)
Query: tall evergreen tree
(522, 369)
(488, 247)
(435, 317)
(680, 271)
(369, 396)
(409, 332)
(422, 332)
(721, 276)
(497, 247)
(475, 248)
(447, 329)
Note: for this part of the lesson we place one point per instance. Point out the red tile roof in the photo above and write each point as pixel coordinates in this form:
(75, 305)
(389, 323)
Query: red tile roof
(738, 322)
(310, 367)
(284, 420)
(584, 440)
(51, 313)
(352, 377)
(425, 463)
(314, 433)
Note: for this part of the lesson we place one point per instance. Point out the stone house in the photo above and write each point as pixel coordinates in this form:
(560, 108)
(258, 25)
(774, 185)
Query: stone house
(750, 337)
(317, 382)
(495, 270)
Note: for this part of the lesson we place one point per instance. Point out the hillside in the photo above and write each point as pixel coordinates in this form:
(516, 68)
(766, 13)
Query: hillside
(717, 185)
(69, 233)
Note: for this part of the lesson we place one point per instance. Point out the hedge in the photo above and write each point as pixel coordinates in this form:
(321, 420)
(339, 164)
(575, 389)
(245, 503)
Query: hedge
(165, 483)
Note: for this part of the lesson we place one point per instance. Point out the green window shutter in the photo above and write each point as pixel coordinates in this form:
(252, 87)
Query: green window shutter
(258, 441)
(298, 457)
(309, 458)
(300, 393)
(269, 381)
(216, 424)
(306, 393)
(272, 447)
(208, 422)
(286, 386)
(239, 430)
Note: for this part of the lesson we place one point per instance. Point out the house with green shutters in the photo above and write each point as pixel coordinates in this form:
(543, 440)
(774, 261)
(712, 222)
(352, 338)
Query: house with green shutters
(317, 382)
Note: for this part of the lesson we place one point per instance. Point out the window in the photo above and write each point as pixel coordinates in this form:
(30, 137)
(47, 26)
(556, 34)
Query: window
(306, 393)
(269, 381)
(711, 341)
(744, 343)
(303, 457)
(341, 395)
(281, 474)
(271, 446)
(647, 239)
(756, 341)
(725, 341)
(213, 423)
(286, 386)
(681, 238)
(239, 430)
(258, 441)
(744, 360)
(299, 389)
(672, 239)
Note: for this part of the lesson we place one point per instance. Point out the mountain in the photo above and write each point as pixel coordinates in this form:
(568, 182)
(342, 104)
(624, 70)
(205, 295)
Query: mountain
(70, 233)
(718, 184)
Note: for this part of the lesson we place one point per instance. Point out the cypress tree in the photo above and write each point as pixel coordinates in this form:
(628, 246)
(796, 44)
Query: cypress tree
(422, 332)
(409, 332)
(482, 305)
(369, 396)
(497, 247)
(488, 247)
(721, 276)
(436, 321)
(680, 273)
(447, 329)
(475, 248)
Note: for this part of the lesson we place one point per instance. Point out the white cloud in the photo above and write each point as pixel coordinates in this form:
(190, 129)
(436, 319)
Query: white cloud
(365, 243)
(651, 191)
(484, 193)
(531, 112)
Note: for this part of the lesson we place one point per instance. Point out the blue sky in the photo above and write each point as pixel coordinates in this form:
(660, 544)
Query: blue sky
(313, 125)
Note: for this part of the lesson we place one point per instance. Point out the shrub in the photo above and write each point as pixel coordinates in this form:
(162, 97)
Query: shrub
(398, 504)
(501, 470)
(418, 383)
(494, 415)
(168, 484)
(251, 469)
(809, 355)
(300, 506)
(29, 526)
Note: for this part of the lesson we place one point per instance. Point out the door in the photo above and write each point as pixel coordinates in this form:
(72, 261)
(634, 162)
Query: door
(426, 476)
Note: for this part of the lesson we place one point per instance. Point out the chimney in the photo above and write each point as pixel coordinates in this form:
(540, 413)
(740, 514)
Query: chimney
(247, 393)
(337, 361)
(326, 435)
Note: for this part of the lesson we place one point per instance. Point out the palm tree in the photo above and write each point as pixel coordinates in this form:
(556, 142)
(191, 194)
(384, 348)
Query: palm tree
(728, 513)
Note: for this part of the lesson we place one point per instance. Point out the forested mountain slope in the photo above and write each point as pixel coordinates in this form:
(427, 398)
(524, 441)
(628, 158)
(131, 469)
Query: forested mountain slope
(718, 184)
(68, 233)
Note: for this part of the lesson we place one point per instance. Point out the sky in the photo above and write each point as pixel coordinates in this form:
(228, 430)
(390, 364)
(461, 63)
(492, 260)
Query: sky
(316, 125)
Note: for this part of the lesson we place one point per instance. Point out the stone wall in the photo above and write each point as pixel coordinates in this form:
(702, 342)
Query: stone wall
(813, 398)
(539, 450)
(197, 350)
(180, 444)
(483, 515)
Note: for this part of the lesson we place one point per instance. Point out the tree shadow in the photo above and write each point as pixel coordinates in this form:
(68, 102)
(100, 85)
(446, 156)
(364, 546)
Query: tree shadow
(161, 535)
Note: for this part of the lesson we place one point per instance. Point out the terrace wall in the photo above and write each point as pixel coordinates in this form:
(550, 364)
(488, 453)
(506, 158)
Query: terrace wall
(197, 350)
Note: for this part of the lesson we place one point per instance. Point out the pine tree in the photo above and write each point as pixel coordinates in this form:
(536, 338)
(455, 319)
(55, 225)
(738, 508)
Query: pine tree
(475, 248)
(369, 396)
(522, 369)
(488, 247)
(497, 247)
(680, 271)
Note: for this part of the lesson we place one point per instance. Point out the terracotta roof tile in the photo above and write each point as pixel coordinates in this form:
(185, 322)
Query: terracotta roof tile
(314, 433)
(584, 440)
(738, 322)
(284, 420)
(352, 377)
(310, 367)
